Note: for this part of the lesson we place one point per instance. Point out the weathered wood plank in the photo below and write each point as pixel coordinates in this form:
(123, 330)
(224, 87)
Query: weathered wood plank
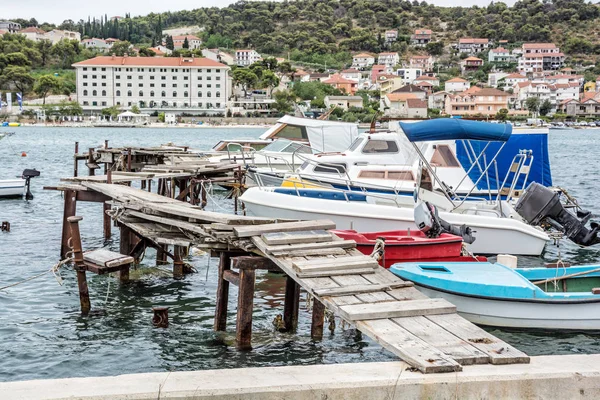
(359, 289)
(107, 258)
(499, 351)
(407, 346)
(309, 252)
(345, 244)
(396, 309)
(315, 236)
(317, 274)
(443, 340)
(248, 231)
(335, 264)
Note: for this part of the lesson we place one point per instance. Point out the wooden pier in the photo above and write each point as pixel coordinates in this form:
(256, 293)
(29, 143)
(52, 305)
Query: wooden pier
(426, 333)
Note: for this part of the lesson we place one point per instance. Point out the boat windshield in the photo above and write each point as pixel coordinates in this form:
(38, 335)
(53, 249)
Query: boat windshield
(288, 146)
(355, 145)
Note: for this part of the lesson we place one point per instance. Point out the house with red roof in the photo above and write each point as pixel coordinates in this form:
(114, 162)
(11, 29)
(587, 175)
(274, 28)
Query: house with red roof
(33, 33)
(363, 60)
(540, 57)
(456, 85)
(471, 64)
(421, 37)
(424, 63)
(501, 55)
(348, 86)
(472, 45)
(194, 42)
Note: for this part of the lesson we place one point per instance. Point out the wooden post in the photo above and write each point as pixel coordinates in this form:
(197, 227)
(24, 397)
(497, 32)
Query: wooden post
(161, 255)
(69, 211)
(75, 161)
(149, 185)
(84, 295)
(129, 159)
(222, 293)
(91, 171)
(243, 334)
(318, 320)
(291, 305)
(178, 262)
(125, 242)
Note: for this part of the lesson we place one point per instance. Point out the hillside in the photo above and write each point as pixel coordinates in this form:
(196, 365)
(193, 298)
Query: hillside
(326, 31)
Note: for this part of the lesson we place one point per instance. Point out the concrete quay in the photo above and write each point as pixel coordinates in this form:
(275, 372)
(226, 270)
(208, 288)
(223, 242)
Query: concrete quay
(546, 377)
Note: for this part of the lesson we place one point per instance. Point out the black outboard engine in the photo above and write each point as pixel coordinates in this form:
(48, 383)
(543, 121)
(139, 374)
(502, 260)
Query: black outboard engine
(27, 175)
(540, 205)
(428, 222)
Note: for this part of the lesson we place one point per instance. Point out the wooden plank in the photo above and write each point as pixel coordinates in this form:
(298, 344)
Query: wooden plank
(396, 309)
(335, 264)
(443, 340)
(314, 236)
(169, 221)
(344, 244)
(107, 258)
(232, 277)
(248, 231)
(358, 289)
(407, 346)
(317, 274)
(309, 252)
(498, 351)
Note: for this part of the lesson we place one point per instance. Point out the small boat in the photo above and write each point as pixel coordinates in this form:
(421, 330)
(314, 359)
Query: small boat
(12, 187)
(407, 245)
(558, 298)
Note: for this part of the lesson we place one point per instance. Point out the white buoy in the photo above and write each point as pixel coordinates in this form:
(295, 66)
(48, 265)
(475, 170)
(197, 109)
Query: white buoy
(507, 260)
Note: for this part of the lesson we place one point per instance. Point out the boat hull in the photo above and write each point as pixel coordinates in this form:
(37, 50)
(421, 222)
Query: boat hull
(523, 314)
(12, 187)
(493, 235)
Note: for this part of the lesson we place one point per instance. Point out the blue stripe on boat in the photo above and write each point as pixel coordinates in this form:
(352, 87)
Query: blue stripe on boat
(322, 194)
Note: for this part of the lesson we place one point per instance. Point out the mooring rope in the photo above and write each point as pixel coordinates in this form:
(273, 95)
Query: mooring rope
(55, 271)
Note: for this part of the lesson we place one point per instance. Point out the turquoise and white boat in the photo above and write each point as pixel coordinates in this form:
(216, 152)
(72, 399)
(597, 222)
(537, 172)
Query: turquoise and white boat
(496, 295)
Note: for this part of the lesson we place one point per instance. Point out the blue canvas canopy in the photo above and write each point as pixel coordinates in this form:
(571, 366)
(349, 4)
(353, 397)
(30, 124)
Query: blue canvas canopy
(455, 129)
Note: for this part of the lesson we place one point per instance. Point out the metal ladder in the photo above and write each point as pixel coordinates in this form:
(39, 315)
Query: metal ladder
(519, 168)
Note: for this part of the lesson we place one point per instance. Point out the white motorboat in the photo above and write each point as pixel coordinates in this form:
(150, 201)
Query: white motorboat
(369, 212)
(12, 187)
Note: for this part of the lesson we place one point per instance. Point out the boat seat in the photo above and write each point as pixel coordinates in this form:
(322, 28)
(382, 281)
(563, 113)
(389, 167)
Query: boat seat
(102, 261)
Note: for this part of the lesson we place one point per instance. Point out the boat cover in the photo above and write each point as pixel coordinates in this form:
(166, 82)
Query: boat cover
(455, 129)
(530, 139)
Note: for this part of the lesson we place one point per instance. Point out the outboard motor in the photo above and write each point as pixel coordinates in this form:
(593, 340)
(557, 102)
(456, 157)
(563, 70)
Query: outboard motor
(429, 222)
(540, 205)
(27, 175)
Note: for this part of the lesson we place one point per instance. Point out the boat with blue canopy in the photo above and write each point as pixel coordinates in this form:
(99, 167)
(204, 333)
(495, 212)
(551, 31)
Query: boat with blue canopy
(561, 297)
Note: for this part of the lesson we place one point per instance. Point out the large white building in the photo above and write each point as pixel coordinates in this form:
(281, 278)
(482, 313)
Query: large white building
(243, 58)
(194, 42)
(57, 35)
(539, 57)
(193, 85)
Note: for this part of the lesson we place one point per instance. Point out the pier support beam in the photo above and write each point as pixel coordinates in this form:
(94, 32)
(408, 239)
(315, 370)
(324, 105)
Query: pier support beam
(161, 254)
(69, 211)
(243, 334)
(291, 305)
(84, 295)
(178, 252)
(222, 292)
(318, 320)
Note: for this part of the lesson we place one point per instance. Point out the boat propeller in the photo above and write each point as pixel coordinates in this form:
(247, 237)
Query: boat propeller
(27, 175)
(429, 222)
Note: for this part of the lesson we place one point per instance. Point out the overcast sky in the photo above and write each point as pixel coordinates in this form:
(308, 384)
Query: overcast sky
(59, 10)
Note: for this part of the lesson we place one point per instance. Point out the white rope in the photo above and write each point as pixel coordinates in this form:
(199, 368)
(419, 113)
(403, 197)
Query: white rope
(378, 249)
(212, 199)
(55, 271)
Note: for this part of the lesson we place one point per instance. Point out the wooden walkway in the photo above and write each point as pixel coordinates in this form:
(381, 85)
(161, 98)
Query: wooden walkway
(426, 333)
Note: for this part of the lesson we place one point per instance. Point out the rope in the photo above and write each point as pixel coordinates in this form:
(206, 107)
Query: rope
(378, 249)
(55, 271)
(214, 203)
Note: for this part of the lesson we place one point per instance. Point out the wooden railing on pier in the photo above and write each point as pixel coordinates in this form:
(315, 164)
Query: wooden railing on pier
(426, 333)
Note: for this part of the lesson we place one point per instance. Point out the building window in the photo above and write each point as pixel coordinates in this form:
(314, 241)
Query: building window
(85, 103)
(129, 85)
(218, 85)
(118, 103)
(152, 85)
(85, 92)
(117, 84)
(118, 92)
(104, 93)
(163, 85)
(128, 76)
(185, 94)
(103, 69)
(94, 84)
(174, 85)
(140, 77)
(218, 78)
(209, 70)
(199, 94)
(218, 94)
(218, 105)
(164, 78)
(152, 78)
(104, 103)
(199, 85)
(103, 76)
(174, 94)
(174, 78)
(186, 85)
(129, 104)
(85, 68)
(94, 76)
(200, 105)
(152, 94)
(208, 85)
(84, 83)
(117, 76)
(94, 93)
(85, 77)
(94, 103)
(104, 84)
(163, 94)
(207, 94)
(208, 78)
(141, 85)
(129, 93)
(199, 77)
(185, 78)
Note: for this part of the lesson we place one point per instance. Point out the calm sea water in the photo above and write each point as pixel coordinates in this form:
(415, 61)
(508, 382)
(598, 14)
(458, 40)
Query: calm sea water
(43, 335)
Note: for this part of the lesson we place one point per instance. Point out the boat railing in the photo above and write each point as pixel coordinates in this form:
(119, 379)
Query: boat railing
(240, 148)
(520, 167)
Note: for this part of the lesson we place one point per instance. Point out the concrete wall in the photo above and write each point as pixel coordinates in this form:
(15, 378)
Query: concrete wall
(547, 377)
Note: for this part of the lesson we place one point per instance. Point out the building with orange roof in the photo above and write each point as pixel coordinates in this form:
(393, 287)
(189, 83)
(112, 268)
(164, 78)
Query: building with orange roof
(471, 64)
(33, 33)
(194, 42)
(391, 36)
(219, 56)
(421, 37)
(456, 85)
(501, 55)
(193, 85)
(348, 86)
(487, 102)
(246, 57)
(422, 62)
(472, 45)
(540, 57)
(352, 73)
(363, 60)
(588, 107)
(433, 80)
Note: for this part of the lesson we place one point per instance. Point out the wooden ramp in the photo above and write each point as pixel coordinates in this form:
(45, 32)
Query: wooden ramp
(426, 333)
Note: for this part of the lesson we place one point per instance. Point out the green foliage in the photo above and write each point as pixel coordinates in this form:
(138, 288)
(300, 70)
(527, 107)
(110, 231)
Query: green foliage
(245, 78)
(315, 92)
(545, 107)
(135, 109)
(284, 101)
(46, 84)
(532, 104)
(69, 108)
(121, 48)
(112, 111)
(146, 52)
(186, 43)
(169, 43)
(18, 77)
(161, 117)
(435, 48)
(502, 114)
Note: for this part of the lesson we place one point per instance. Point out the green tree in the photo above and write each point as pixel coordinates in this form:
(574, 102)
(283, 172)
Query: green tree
(532, 104)
(161, 117)
(545, 107)
(502, 114)
(186, 44)
(66, 50)
(69, 108)
(284, 101)
(169, 43)
(45, 48)
(121, 48)
(18, 59)
(269, 80)
(112, 111)
(135, 109)
(146, 52)
(17, 76)
(46, 84)
(435, 48)
(244, 78)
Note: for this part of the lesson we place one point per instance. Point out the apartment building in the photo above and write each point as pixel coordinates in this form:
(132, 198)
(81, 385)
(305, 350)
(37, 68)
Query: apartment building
(471, 64)
(486, 101)
(391, 36)
(194, 42)
(243, 58)
(421, 37)
(389, 59)
(56, 35)
(218, 55)
(540, 57)
(193, 85)
(95, 43)
(363, 60)
(456, 85)
(424, 63)
(501, 55)
(9, 26)
(472, 45)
